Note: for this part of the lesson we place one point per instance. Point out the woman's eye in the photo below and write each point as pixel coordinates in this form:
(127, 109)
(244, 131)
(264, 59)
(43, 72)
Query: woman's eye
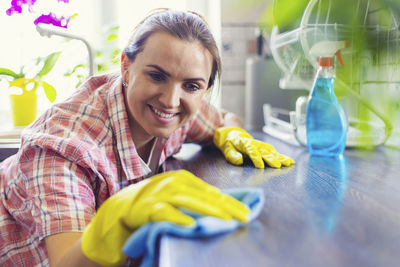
(156, 76)
(192, 86)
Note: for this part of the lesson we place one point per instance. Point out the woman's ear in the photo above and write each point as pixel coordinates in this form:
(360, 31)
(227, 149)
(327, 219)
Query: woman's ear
(125, 63)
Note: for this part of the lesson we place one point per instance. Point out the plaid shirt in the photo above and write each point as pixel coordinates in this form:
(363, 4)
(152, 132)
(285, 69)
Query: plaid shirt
(72, 158)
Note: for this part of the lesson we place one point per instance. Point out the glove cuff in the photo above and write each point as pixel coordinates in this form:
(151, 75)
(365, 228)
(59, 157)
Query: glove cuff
(221, 134)
(228, 129)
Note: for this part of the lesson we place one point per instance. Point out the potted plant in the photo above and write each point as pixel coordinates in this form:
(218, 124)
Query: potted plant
(24, 103)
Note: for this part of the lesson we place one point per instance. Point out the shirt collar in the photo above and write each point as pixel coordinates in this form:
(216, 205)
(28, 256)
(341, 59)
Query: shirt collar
(118, 116)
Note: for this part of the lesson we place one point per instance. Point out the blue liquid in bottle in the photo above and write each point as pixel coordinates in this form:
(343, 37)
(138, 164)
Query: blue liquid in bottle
(326, 123)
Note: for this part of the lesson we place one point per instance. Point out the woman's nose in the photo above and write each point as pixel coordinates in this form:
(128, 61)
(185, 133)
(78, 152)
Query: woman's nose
(171, 96)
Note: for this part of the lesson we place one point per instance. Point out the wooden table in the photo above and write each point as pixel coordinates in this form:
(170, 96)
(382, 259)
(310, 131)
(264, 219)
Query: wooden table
(319, 212)
(8, 149)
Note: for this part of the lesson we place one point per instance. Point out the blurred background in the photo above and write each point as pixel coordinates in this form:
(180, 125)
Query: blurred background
(264, 45)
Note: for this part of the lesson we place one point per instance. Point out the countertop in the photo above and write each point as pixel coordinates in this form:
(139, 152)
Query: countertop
(318, 212)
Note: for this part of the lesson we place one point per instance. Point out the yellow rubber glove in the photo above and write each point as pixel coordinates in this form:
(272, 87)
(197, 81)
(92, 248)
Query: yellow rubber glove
(234, 142)
(155, 199)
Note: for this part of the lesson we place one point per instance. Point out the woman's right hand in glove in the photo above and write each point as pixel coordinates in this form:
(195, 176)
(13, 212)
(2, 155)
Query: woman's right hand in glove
(155, 199)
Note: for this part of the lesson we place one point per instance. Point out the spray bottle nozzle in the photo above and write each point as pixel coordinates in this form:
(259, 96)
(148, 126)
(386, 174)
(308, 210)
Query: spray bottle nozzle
(325, 62)
(329, 49)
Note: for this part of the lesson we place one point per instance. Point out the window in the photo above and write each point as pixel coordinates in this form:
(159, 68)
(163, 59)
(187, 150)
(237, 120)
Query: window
(21, 43)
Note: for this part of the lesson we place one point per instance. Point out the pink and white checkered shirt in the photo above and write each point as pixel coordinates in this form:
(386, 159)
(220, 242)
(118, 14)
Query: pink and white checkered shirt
(72, 158)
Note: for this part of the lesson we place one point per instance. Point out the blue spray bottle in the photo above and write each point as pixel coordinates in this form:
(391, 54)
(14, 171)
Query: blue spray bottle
(326, 123)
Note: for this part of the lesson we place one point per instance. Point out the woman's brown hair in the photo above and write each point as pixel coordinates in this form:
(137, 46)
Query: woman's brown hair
(188, 26)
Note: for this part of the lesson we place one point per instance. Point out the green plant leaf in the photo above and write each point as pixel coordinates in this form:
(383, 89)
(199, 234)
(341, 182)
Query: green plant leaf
(74, 16)
(77, 67)
(49, 63)
(21, 72)
(49, 90)
(38, 60)
(116, 52)
(8, 72)
(112, 37)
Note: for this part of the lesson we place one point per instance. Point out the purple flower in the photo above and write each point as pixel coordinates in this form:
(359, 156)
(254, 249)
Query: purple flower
(52, 19)
(16, 6)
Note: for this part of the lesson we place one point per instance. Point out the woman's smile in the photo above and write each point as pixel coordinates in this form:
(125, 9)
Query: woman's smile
(161, 116)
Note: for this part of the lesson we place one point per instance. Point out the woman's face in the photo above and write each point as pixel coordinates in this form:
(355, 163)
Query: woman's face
(165, 84)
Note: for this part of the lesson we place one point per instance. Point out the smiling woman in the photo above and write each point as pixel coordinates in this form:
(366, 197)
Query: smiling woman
(165, 85)
(115, 132)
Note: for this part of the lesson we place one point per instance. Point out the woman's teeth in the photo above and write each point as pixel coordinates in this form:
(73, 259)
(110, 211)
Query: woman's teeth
(162, 114)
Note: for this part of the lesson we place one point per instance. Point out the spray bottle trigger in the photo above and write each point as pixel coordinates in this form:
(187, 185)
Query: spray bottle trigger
(339, 56)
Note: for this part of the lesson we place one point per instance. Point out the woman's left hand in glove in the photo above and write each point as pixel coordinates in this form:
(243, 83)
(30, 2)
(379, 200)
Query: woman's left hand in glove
(235, 142)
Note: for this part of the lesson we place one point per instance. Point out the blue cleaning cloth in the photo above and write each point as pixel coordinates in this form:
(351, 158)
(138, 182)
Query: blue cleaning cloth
(143, 241)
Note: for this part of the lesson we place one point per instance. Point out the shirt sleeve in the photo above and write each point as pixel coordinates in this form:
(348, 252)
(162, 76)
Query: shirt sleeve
(204, 124)
(51, 194)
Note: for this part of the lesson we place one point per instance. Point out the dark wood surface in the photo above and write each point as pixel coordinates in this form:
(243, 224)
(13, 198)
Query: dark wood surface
(7, 150)
(319, 212)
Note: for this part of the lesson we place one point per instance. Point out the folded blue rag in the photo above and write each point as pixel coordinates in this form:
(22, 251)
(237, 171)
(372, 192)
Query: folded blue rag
(143, 241)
